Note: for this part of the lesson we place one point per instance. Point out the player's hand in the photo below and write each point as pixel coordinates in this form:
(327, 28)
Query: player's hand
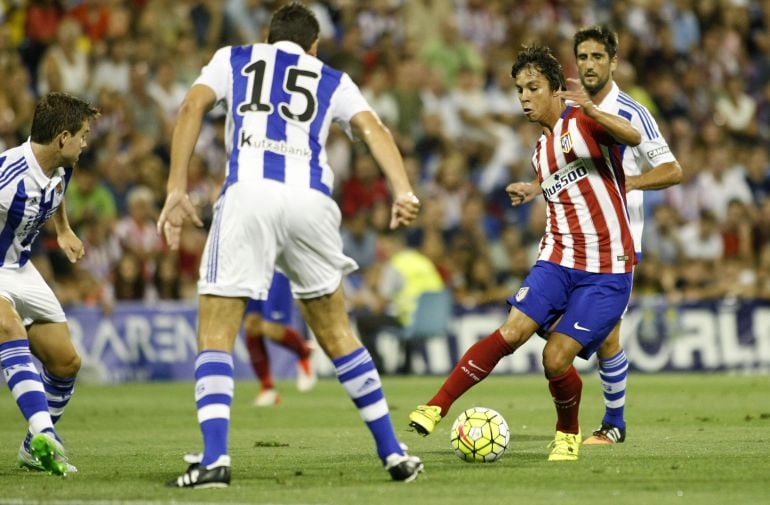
(71, 245)
(578, 95)
(177, 209)
(521, 192)
(404, 210)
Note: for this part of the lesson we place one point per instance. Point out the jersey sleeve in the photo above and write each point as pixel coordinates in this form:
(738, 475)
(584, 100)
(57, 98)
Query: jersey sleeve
(216, 74)
(653, 148)
(348, 100)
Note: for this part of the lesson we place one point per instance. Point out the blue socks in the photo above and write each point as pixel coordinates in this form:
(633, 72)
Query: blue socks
(25, 384)
(213, 397)
(58, 392)
(613, 372)
(358, 375)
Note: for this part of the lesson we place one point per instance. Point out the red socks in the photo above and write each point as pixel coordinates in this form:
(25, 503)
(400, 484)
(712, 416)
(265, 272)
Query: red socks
(477, 362)
(566, 390)
(259, 360)
(293, 340)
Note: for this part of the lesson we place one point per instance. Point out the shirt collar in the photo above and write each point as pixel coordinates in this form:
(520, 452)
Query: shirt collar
(611, 97)
(37, 171)
(289, 46)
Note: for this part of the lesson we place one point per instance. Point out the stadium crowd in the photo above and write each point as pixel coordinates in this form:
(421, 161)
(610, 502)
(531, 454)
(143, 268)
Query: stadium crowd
(438, 74)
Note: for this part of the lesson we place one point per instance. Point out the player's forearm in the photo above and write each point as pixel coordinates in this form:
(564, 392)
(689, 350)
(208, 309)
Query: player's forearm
(184, 138)
(620, 128)
(386, 153)
(60, 221)
(662, 176)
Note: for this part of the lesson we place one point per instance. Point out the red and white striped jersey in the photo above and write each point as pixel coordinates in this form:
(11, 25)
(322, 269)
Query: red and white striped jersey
(580, 172)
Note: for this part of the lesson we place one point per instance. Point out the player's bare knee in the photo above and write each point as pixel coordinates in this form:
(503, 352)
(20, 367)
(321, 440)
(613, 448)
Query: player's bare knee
(556, 363)
(64, 366)
(514, 335)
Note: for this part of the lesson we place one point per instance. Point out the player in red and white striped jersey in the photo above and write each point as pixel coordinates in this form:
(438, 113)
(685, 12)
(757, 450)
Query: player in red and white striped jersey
(583, 275)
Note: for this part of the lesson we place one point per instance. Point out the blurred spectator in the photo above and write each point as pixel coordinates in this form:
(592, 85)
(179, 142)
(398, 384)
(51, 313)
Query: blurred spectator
(377, 18)
(166, 90)
(481, 22)
(451, 188)
(65, 65)
(722, 181)
(482, 286)
(448, 53)
(42, 23)
(113, 69)
(405, 275)
(148, 123)
(136, 232)
(93, 17)
(88, 196)
(684, 26)
(377, 93)
(736, 232)
(365, 187)
(758, 172)
(661, 238)
(359, 241)
(250, 18)
(701, 239)
(129, 283)
(103, 254)
(167, 283)
(736, 109)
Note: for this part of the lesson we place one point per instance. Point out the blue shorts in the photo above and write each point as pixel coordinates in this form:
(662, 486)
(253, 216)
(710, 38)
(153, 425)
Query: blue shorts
(277, 307)
(589, 304)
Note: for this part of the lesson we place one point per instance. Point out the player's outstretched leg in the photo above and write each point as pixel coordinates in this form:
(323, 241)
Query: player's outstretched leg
(566, 390)
(358, 375)
(612, 372)
(475, 365)
(28, 390)
(213, 397)
(58, 391)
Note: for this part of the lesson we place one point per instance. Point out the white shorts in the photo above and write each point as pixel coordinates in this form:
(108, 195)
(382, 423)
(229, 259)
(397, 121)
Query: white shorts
(30, 295)
(261, 225)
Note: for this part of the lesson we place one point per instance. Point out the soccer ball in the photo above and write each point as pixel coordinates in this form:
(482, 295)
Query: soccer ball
(479, 435)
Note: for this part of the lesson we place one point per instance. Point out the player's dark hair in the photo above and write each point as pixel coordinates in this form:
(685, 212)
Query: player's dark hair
(59, 112)
(296, 23)
(600, 33)
(541, 59)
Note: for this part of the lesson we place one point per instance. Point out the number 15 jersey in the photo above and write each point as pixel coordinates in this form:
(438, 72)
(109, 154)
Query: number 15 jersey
(280, 104)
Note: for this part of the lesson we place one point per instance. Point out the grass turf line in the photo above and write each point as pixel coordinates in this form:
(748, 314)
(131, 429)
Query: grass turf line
(691, 439)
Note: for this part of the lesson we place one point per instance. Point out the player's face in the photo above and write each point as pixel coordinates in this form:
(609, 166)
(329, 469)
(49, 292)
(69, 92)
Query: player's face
(536, 96)
(73, 145)
(594, 65)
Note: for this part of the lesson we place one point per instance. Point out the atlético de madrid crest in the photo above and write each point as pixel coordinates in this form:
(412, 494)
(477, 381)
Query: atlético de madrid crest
(522, 293)
(566, 143)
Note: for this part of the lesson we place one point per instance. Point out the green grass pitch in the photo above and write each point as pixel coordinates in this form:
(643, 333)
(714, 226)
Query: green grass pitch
(701, 439)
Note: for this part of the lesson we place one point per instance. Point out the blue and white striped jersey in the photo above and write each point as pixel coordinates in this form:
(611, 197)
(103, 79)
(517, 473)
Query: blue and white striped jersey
(280, 103)
(28, 198)
(653, 150)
